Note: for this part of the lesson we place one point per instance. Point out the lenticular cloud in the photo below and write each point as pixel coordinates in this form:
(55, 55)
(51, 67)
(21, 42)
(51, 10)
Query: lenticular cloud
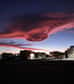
(38, 27)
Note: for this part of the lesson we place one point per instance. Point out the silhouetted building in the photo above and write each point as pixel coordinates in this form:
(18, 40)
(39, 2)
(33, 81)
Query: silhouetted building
(25, 54)
(57, 54)
(40, 55)
(8, 56)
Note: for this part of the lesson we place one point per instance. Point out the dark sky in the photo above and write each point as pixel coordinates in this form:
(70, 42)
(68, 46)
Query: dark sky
(14, 7)
(11, 8)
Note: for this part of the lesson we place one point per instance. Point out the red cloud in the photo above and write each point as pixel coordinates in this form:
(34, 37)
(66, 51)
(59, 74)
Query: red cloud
(16, 46)
(39, 27)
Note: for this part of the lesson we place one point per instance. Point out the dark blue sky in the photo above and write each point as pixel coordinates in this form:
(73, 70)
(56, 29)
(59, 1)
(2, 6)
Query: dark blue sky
(11, 8)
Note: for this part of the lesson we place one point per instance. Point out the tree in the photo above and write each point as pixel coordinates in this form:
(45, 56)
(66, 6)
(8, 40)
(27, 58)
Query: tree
(66, 54)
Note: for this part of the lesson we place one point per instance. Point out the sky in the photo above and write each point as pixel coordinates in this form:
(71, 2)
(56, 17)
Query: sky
(14, 12)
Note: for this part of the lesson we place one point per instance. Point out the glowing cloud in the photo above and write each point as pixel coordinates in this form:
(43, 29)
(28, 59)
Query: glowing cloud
(38, 27)
(18, 47)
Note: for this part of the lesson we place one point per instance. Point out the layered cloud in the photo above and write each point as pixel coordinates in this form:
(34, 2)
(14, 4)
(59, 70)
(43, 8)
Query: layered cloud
(37, 27)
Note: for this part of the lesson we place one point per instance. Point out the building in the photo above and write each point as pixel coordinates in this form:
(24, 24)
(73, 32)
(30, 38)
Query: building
(69, 53)
(25, 54)
(57, 54)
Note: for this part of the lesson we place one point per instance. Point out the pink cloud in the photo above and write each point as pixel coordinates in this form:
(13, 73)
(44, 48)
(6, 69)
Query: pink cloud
(38, 28)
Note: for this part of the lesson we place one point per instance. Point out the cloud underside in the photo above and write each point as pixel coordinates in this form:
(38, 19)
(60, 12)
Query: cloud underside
(36, 27)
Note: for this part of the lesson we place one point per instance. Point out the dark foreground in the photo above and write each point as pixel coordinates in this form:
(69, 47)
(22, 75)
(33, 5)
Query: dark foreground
(35, 69)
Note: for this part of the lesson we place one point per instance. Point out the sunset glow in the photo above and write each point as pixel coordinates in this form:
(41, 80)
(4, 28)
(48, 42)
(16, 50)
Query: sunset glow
(41, 25)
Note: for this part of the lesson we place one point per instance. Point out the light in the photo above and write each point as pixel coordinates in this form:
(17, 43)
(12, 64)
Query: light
(31, 56)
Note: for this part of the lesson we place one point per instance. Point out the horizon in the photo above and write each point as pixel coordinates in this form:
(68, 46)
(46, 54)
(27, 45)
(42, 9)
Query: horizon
(33, 49)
